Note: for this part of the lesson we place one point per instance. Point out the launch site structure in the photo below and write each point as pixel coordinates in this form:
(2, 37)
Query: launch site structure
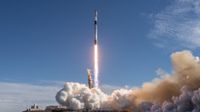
(90, 81)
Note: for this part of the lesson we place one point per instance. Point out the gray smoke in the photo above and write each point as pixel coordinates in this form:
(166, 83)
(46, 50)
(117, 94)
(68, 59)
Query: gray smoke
(187, 101)
(176, 92)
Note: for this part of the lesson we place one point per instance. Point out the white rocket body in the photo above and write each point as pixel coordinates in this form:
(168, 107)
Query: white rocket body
(95, 28)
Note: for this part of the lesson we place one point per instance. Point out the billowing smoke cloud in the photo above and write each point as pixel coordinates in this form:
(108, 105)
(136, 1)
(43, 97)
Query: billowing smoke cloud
(78, 96)
(176, 92)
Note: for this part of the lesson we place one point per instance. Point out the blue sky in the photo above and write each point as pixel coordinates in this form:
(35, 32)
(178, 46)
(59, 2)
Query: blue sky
(52, 40)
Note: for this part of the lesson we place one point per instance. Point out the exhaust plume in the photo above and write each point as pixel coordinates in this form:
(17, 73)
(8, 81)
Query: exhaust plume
(96, 66)
(175, 92)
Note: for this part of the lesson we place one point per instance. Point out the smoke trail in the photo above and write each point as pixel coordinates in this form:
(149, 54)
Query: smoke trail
(176, 92)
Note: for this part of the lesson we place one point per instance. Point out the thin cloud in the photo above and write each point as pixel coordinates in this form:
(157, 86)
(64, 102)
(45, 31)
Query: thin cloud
(15, 97)
(178, 23)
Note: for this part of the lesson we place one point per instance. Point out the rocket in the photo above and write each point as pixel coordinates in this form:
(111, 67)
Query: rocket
(95, 28)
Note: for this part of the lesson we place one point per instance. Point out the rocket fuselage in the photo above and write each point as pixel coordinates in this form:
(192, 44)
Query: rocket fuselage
(95, 28)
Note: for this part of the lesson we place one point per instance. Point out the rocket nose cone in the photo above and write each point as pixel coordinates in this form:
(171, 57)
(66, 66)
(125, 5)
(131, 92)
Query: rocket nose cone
(96, 14)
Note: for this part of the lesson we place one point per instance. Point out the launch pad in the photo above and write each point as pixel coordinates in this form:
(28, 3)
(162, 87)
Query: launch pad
(64, 109)
(35, 108)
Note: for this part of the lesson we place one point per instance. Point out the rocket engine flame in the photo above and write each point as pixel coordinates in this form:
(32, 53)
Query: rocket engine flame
(96, 66)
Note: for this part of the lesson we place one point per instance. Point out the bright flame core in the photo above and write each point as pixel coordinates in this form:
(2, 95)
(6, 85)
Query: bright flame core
(96, 66)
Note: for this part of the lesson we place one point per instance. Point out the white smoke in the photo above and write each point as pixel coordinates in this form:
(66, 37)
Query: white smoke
(78, 96)
(178, 92)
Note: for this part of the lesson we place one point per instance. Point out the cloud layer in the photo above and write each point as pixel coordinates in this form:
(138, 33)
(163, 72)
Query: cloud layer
(178, 23)
(15, 97)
